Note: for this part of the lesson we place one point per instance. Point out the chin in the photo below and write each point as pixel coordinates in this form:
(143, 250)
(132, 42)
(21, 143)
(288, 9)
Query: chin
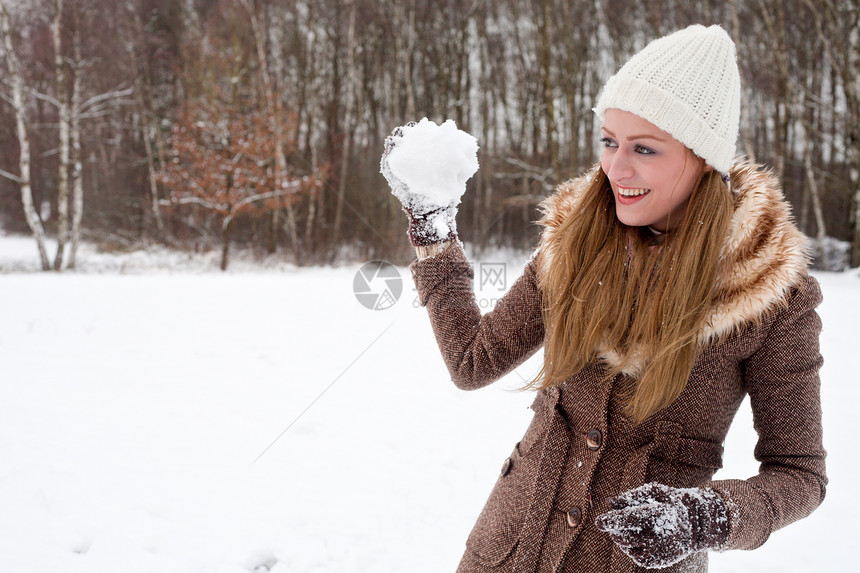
(629, 221)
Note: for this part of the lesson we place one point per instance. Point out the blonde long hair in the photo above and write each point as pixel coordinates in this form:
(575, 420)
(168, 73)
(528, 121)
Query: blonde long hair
(607, 289)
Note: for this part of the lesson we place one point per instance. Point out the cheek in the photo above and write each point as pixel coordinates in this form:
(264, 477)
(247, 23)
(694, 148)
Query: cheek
(687, 183)
(677, 180)
(605, 162)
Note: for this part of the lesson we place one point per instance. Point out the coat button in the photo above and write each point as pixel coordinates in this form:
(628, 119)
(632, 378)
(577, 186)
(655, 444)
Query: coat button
(594, 439)
(506, 467)
(574, 516)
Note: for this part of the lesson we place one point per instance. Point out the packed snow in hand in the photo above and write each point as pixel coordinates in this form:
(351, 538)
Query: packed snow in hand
(433, 162)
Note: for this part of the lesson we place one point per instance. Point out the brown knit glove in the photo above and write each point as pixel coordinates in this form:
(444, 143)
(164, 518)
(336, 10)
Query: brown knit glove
(657, 525)
(424, 228)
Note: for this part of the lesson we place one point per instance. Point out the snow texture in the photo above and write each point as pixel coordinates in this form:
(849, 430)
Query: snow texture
(427, 166)
(132, 407)
(433, 163)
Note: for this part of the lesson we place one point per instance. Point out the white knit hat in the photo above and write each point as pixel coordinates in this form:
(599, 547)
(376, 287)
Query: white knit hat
(688, 85)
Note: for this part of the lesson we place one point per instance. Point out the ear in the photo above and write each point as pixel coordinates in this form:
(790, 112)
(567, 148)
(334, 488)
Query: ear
(707, 168)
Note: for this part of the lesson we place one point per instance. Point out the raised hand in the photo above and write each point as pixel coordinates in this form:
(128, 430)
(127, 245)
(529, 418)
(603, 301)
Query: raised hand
(426, 167)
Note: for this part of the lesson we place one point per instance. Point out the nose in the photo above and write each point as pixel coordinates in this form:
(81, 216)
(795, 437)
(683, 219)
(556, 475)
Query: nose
(618, 165)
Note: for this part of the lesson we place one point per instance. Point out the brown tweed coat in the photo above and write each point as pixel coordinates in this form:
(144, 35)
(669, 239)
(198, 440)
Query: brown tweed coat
(580, 450)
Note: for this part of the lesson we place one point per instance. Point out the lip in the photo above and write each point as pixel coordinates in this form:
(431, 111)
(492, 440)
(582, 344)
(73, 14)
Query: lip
(624, 200)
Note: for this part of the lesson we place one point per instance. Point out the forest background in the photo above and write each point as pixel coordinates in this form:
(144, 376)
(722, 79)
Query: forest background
(198, 124)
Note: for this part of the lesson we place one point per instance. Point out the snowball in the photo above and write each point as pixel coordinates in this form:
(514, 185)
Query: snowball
(433, 162)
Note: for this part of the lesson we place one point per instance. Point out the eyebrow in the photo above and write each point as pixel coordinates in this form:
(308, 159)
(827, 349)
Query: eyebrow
(642, 136)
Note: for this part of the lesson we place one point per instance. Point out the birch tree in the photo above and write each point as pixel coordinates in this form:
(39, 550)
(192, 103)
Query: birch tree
(20, 111)
(77, 162)
(65, 124)
(521, 76)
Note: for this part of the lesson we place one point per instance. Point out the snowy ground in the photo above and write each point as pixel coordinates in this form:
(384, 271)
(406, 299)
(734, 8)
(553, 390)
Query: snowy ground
(133, 408)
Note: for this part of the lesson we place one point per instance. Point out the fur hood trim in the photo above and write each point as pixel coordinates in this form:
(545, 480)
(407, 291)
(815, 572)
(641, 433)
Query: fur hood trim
(765, 254)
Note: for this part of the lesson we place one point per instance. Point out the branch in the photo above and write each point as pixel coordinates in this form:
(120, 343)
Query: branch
(530, 172)
(8, 100)
(99, 112)
(117, 93)
(11, 176)
(268, 195)
(45, 97)
(192, 200)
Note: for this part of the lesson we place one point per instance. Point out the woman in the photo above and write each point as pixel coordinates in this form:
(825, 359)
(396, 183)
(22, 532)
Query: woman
(669, 283)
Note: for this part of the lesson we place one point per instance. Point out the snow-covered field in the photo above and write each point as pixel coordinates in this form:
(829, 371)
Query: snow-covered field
(134, 409)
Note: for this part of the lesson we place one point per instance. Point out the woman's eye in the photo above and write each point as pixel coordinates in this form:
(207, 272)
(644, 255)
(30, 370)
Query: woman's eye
(606, 142)
(644, 150)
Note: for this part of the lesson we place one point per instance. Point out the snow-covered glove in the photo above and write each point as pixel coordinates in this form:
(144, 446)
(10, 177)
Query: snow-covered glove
(657, 525)
(427, 167)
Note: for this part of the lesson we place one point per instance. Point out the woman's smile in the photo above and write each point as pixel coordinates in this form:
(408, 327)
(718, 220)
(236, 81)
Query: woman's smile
(629, 196)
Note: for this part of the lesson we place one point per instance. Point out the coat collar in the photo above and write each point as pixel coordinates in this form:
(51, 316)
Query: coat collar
(765, 254)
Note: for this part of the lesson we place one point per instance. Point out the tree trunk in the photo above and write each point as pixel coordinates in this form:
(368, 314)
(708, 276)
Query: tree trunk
(273, 102)
(226, 229)
(773, 17)
(403, 21)
(142, 81)
(77, 171)
(812, 189)
(844, 56)
(855, 237)
(347, 127)
(746, 120)
(65, 130)
(544, 20)
(30, 214)
(851, 89)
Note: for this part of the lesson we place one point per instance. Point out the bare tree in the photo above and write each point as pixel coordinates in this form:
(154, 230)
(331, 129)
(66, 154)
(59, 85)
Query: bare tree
(77, 163)
(150, 131)
(521, 76)
(222, 160)
(348, 120)
(33, 220)
(274, 105)
(805, 137)
(65, 122)
(841, 19)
